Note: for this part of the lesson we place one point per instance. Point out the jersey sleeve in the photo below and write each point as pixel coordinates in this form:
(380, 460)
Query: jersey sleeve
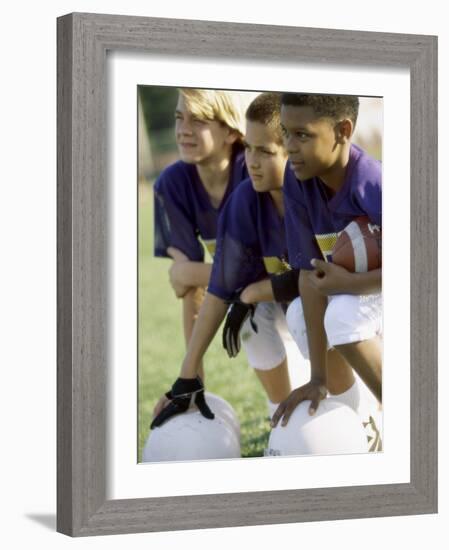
(238, 260)
(301, 242)
(174, 223)
(369, 198)
(367, 190)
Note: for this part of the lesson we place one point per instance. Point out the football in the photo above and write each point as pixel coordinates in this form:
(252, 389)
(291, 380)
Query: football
(359, 246)
(334, 429)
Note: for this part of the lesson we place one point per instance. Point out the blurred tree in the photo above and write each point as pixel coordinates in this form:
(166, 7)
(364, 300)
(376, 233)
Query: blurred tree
(158, 105)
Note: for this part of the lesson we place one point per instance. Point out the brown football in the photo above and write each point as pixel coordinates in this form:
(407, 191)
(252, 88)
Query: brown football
(359, 246)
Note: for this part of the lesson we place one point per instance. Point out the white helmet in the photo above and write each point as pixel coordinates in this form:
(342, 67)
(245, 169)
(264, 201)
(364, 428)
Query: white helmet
(190, 436)
(370, 411)
(220, 407)
(334, 429)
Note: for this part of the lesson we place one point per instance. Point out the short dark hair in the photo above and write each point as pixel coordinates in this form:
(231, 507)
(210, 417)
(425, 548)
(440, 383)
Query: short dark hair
(266, 109)
(332, 106)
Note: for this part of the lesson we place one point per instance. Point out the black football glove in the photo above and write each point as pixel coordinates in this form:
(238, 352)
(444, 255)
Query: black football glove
(237, 314)
(184, 392)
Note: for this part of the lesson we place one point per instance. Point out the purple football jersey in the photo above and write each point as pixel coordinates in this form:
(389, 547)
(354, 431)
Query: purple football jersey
(314, 217)
(183, 213)
(251, 242)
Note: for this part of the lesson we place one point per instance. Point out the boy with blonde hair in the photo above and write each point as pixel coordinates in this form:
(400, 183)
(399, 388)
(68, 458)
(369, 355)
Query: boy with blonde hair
(190, 194)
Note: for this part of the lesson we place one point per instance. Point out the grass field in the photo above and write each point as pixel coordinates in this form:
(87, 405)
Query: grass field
(161, 348)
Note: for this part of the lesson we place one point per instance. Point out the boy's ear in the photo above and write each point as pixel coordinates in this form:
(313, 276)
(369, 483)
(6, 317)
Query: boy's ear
(343, 130)
(232, 136)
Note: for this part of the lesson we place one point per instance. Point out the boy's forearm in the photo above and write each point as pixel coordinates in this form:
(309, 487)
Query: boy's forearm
(191, 304)
(212, 313)
(314, 307)
(329, 279)
(277, 288)
(196, 274)
(262, 291)
(366, 283)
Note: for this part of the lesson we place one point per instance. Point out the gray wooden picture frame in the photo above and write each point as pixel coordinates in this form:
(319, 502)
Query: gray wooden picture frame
(83, 40)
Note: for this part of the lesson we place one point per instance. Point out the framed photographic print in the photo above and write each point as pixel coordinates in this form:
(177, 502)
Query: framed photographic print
(112, 70)
(176, 209)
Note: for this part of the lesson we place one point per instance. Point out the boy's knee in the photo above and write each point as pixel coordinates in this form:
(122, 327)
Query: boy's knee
(297, 326)
(264, 349)
(343, 321)
(294, 312)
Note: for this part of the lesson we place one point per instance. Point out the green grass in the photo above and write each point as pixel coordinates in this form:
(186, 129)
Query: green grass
(161, 349)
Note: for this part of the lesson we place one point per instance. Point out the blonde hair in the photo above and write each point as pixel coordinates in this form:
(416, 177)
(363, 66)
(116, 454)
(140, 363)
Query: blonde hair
(226, 107)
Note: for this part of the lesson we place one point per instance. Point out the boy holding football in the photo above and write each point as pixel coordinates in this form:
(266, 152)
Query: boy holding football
(334, 183)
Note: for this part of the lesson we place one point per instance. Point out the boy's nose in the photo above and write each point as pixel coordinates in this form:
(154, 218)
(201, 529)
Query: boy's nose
(253, 162)
(291, 145)
(249, 157)
(184, 127)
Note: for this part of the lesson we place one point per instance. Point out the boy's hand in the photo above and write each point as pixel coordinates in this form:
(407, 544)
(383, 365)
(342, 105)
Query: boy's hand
(328, 278)
(237, 314)
(184, 393)
(312, 391)
(176, 274)
(160, 405)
